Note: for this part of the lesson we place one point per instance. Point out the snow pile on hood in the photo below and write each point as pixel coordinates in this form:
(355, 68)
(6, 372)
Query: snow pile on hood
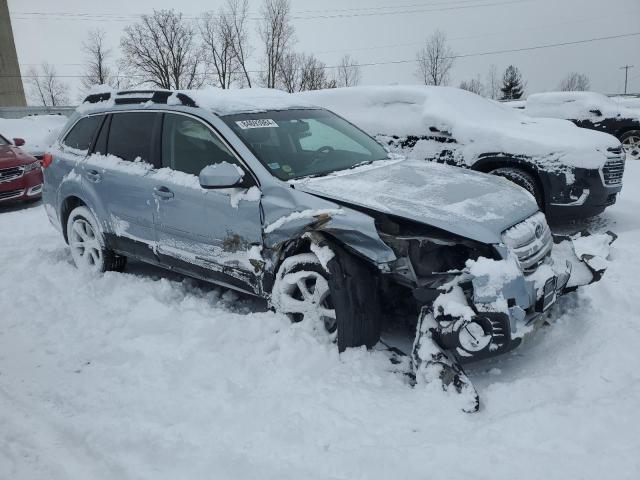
(38, 131)
(478, 125)
(575, 106)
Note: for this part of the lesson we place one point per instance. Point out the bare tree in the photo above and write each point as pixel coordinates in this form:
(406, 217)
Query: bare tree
(435, 60)
(161, 49)
(237, 11)
(348, 72)
(277, 35)
(97, 70)
(493, 83)
(216, 31)
(46, 87)
(299, 72)
(575, 82)
(289, 73)
(474, 85)
(313, 74)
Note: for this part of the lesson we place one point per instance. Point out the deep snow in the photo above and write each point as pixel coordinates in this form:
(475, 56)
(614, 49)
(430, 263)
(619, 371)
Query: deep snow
(147, 375)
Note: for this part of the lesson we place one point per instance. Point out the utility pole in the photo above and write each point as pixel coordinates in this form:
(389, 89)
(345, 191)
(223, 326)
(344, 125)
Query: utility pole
(11, 89)
(626, 75)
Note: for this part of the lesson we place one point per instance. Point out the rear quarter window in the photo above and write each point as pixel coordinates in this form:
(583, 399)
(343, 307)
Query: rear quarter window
(82, 133)
(131, 135)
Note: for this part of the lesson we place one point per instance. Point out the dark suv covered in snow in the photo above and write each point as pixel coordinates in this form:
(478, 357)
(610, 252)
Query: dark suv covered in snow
(263, 193)
(593, 111)
(571, 172)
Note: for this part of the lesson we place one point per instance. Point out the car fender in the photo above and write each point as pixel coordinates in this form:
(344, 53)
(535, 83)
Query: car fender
(288, 214)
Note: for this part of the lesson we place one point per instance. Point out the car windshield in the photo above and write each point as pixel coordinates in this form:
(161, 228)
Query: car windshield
(3, 141)
(306, 142)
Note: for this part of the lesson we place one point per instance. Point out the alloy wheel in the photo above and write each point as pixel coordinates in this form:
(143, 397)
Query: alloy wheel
(85, 247)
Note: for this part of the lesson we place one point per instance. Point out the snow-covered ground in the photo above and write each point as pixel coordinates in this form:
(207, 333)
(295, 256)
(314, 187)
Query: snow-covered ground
(147, 375)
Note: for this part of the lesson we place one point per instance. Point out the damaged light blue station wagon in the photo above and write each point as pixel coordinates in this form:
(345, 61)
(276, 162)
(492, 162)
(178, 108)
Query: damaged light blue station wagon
(257, 191)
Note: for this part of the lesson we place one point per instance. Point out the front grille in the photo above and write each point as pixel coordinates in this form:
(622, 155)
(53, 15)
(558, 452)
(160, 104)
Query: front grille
(530, 241)
(11, 173)
(612, 171)
(617, 151)
(11, 194)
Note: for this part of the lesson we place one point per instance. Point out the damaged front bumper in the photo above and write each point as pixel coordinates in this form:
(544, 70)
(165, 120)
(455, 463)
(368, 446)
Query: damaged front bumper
(491, 306)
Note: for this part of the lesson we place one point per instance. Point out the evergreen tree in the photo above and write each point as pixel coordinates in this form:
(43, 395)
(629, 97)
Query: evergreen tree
(512, 87)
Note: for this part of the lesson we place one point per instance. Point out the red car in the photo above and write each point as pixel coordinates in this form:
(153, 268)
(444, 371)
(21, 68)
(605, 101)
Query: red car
(20, 174)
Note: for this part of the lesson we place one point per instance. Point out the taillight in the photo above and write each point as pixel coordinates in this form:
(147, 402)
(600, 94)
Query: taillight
(47, 158)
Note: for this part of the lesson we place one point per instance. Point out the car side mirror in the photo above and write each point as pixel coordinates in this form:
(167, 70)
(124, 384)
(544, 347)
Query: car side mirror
(221, 175)
(596, 112)
(18, 142)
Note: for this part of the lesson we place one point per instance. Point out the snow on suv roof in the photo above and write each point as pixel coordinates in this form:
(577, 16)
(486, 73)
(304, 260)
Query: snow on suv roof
(217, 100)
(411, 109)
(573, 105)
(230, 101)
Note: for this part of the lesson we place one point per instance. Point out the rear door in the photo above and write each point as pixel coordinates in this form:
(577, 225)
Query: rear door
(209, 232)
(126, 151)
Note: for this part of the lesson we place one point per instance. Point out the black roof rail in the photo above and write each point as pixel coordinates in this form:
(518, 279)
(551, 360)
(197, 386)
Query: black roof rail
(128, 97)
(97, 97)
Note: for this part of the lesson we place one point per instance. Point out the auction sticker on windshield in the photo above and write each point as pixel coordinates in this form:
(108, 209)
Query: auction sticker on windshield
(257, 123)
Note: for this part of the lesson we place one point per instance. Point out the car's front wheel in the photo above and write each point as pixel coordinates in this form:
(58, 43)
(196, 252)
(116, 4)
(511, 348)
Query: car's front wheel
(301, 291)
(87, 245)
(341, 297)
(631, 144)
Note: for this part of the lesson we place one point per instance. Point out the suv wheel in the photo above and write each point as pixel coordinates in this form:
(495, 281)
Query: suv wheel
(631, 143)
(522, 179)
(301, 291)
(87, 244)
(345, 300)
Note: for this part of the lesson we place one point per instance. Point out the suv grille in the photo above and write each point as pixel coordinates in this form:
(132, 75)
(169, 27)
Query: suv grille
(11, 173)
(530, 241)
(612, 171)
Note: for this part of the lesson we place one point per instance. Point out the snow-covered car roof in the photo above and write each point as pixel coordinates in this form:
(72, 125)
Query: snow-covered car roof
(231, 101)
(571, 105)
(479, 125)
(217, 100)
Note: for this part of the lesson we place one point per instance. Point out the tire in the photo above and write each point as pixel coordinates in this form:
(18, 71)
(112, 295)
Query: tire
(631, 144)
(522, 179)
(344, 299)
(88, 248)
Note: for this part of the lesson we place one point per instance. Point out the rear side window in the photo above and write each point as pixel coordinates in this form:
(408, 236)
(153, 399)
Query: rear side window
(188, 145)
(81, 135)
(131, 135)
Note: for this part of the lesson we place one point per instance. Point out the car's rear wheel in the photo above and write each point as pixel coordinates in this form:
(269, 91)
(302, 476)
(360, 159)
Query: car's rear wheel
(87, 244)
(342, 299)
(522, 179)
(631, 144)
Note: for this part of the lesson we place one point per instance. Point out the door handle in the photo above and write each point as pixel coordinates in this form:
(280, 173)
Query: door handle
(93, 176)
(162, 192)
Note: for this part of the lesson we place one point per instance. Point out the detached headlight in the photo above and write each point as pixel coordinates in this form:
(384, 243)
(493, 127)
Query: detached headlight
(32, 166)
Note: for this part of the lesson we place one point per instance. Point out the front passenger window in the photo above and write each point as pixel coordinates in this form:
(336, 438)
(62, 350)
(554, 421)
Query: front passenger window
(188, 145)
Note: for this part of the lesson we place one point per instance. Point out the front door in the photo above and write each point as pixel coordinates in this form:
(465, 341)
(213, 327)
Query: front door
(211, 233)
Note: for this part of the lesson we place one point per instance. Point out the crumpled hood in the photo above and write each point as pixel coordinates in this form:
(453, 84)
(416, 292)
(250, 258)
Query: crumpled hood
(467, 203)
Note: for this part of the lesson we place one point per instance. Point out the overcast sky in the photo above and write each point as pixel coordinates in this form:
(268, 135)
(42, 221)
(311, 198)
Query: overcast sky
(378, 31)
